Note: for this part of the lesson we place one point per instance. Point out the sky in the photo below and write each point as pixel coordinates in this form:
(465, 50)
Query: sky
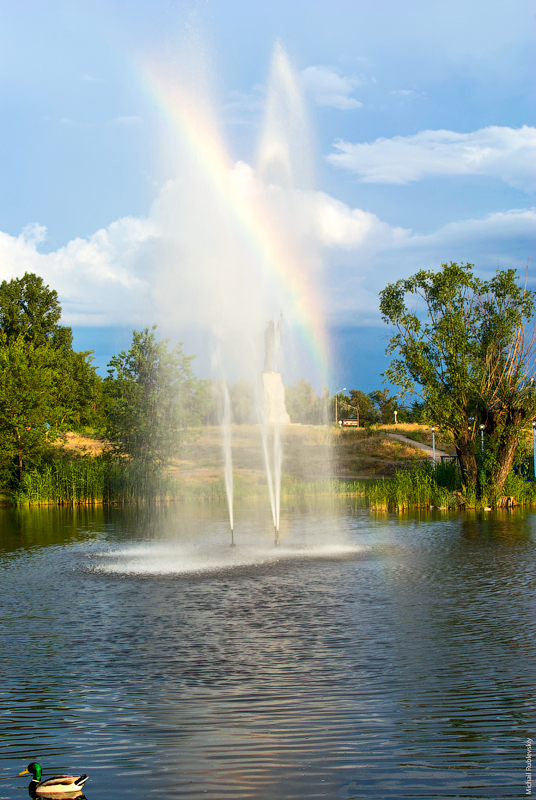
(417, 125)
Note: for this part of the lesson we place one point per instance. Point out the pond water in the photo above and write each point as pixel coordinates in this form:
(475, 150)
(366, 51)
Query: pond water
(369, 656)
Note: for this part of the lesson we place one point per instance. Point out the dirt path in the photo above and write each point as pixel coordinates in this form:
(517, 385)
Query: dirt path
(419, 445)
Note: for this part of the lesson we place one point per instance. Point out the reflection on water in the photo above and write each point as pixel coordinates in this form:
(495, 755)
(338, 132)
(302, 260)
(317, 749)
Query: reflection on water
(370, 656)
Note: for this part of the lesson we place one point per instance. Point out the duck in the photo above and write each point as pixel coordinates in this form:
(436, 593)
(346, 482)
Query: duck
(57, 785)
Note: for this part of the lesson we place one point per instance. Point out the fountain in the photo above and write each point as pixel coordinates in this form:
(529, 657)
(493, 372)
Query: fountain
(228, 459)
(273, 414)
(237, 257)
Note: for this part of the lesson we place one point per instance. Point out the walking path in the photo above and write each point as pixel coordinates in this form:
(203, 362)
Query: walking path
(418, 445)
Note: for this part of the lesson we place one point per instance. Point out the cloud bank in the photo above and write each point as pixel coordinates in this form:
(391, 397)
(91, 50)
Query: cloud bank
(140, 270)
(506, 154)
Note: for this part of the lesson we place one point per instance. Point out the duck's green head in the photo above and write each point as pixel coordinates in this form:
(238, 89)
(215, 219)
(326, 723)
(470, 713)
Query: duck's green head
(34, 770)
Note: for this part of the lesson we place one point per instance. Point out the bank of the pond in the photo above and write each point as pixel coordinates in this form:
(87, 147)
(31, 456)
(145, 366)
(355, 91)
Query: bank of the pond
(92, 481)
(368, 464)
(424, 486)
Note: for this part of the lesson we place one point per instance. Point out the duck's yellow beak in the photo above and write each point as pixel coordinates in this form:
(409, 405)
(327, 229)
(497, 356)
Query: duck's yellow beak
(24, 772)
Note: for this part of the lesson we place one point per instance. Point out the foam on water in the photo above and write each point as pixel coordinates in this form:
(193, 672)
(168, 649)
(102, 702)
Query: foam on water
(186, 558)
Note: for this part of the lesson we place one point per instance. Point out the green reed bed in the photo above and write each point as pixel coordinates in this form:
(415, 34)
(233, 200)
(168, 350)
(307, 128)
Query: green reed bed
(101, 480)
(92, 480)
(423, 486)
(98, 480)
(63, 482)
(419, 487)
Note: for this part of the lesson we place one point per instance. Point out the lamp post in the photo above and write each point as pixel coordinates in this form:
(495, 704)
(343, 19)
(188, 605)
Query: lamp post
(534, 446)
(433, 444)
(396, 412)
(336, 397)
(482, 439)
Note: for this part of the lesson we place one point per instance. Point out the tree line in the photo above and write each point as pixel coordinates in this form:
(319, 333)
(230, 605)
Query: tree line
(463, 347)
(144, 407)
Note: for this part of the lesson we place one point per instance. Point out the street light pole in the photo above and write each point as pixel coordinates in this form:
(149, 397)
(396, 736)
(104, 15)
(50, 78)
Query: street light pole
(433, 445)
(482, 439)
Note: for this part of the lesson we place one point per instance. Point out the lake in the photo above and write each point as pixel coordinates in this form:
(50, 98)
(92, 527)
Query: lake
(368, 656)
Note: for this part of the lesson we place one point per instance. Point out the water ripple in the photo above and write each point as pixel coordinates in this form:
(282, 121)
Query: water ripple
(397, 660)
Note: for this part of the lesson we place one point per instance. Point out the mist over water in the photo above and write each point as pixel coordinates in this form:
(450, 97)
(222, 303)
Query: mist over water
(197, 542)
(231, 260)
(232, 256)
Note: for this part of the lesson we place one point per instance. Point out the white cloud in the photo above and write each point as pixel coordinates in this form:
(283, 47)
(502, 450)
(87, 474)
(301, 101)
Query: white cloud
(357, 272)
(328, 88)
(189, 262)
(104, 279)
(507, 154)
(91, 79)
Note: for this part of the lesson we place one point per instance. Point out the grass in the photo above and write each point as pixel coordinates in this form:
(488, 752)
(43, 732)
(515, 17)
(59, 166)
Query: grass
(421, 486)
(93, 480)
(317, 461)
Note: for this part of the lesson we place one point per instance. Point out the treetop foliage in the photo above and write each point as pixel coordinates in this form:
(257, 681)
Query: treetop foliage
(30, 309)
(150, 398)
(469, 355)
(45, 386)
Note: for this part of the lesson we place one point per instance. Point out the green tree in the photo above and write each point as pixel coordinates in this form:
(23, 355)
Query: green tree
(32, 310)
(45, 386)
(386, 404)
(241, 394)
(80, 390)
(355, 405)
(361, 407)
(31, 410)
(150, 398)
(470, 359)
(303, 404)
(206, 402)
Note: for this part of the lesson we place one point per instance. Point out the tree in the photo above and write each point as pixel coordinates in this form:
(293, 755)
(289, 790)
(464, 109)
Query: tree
(45, 387)
(386, 403)
(80, 390)
(241, 395)
(361, 407)
(355, 405)
(32, 310)
(206, 402)
(30, 407)
(303, 405)
(150, 398)
(470, 358)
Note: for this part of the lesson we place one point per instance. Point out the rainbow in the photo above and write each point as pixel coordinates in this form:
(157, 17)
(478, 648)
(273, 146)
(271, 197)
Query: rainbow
(198, 132)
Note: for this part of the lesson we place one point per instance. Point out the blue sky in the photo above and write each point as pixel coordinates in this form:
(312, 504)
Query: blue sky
(422, 126)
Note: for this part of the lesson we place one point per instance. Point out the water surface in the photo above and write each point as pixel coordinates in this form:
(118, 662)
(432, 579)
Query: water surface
(369, 656)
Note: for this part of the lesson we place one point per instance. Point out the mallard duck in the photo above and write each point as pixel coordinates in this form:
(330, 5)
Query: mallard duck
(56, 785)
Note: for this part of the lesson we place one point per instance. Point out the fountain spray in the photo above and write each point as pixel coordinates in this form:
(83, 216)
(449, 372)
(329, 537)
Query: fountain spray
(228, 458)
(225, 427)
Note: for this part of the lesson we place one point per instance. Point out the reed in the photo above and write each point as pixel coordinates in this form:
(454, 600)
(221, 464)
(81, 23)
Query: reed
(419, 487)
(63, 482)
(91, 480)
